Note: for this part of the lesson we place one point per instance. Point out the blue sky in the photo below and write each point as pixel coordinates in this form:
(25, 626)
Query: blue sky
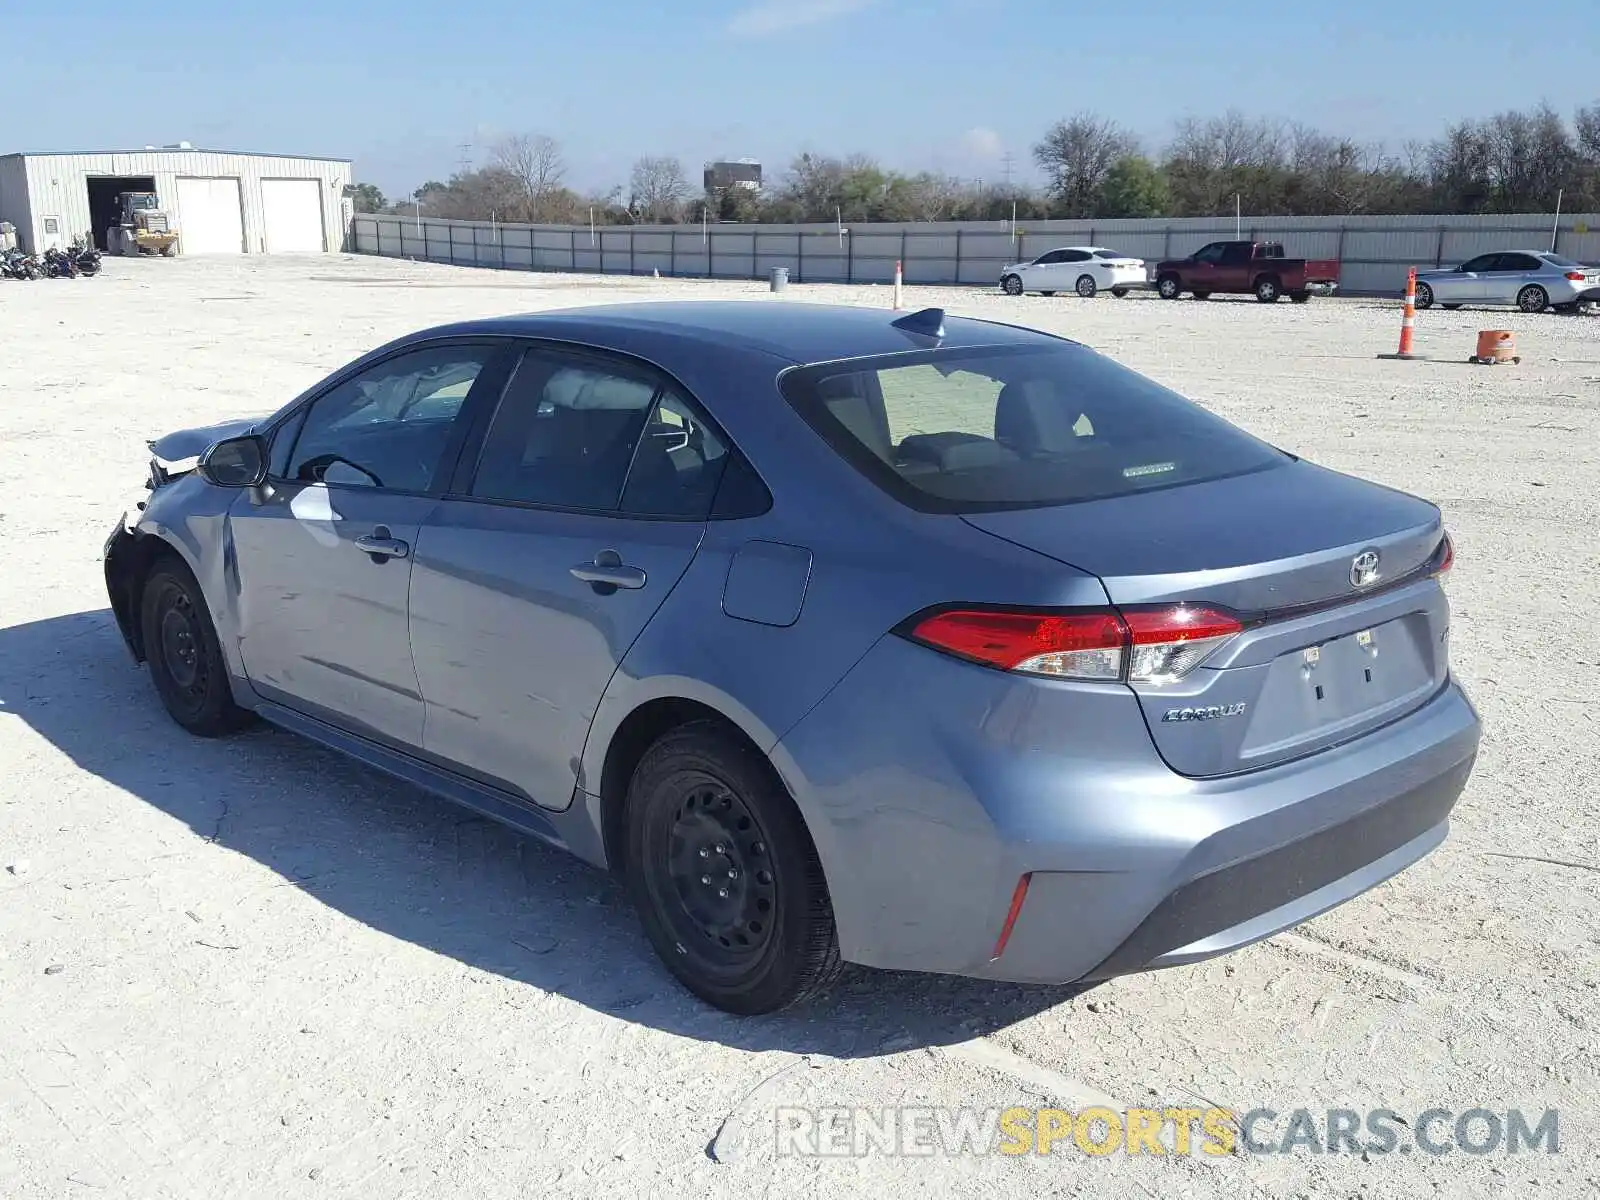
(945, 84)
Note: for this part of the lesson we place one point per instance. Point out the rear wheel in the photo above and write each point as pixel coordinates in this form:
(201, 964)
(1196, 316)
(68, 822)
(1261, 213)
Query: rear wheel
(1168, 287)
(185, 657)
(1533, 299)
(1011, 285)
(1086, 287)
(1268, 289)
(725, 876)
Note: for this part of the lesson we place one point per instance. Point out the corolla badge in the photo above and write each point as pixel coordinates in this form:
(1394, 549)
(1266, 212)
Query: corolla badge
(1364, 568)
(1210, 712)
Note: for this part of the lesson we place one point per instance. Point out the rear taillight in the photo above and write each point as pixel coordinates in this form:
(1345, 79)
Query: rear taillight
(1576, 276)
(1146, 645)
(1447, 557)
(1064, 645)
(1168, 643)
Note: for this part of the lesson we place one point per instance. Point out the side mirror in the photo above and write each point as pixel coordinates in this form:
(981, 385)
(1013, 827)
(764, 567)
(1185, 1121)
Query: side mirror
(235, 462)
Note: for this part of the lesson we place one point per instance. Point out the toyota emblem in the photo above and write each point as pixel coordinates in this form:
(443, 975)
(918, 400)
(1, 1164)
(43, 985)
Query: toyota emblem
(1364, 569)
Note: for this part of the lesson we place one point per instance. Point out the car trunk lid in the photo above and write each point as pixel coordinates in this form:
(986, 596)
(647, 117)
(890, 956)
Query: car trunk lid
(1344, 624)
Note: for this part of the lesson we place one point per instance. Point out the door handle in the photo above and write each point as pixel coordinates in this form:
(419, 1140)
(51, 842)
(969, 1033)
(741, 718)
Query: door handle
(608, 572)
(381, 546)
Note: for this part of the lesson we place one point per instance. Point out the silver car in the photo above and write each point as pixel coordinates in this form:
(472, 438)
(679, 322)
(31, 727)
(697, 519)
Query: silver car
(918, 642)
(1532, 280)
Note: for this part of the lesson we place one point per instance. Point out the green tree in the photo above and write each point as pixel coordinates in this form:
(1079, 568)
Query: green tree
(367, 198)
(1134, 187)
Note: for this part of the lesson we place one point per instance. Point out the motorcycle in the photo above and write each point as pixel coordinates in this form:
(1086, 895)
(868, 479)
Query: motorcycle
(58, 264)
(17, 264)
(87, 256)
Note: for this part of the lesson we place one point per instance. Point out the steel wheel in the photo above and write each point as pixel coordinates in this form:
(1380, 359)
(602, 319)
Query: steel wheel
(724, 873)
(186, 663)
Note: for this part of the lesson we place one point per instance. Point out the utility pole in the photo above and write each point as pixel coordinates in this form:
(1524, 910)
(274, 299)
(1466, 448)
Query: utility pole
(466, 157)
(1006, 160)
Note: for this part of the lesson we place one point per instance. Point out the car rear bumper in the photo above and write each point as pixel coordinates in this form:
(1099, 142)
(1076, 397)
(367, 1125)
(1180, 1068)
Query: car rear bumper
(929, 802)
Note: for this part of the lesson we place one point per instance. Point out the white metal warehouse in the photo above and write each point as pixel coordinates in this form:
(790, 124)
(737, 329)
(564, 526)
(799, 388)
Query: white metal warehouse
(221, 202)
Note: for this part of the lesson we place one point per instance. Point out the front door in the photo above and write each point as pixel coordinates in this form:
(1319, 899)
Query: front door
(1472, 283)
(324, 549)
(587, 504)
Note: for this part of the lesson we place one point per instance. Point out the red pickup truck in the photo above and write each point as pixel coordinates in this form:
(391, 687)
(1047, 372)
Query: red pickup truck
(1247, 267)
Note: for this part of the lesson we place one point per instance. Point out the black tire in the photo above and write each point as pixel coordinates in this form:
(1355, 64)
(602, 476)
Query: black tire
(725, 876)
(1424, 297)
(1169, 287)
(1086, 287)
(1011, 285)
(1202, 295)
(1119, 292)
(1268, 289)
(1533, 299)
(185, 657)
(1300, 297)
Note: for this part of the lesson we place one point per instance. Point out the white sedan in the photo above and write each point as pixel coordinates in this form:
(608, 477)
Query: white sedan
(1082, 269)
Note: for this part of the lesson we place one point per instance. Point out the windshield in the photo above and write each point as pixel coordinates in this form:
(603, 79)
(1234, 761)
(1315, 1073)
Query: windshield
(142, 201)
(976, 430)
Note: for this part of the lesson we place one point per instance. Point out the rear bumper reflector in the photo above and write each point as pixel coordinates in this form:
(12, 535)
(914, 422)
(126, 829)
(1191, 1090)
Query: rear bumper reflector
(1017, 897)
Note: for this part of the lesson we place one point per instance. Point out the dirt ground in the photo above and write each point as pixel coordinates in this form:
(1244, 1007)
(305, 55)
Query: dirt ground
(249, 968)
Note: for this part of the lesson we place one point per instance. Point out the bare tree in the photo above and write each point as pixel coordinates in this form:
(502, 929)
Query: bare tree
(659, 188)
(1076, 154)
(534, 161)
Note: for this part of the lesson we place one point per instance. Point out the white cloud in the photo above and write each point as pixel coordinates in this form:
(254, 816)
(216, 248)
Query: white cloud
(981, 143)
(778, 16)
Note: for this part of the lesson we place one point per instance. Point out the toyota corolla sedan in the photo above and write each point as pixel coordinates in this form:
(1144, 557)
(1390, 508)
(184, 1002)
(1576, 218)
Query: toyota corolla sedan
(910, 641)
(1086, 270)
(1532, 280)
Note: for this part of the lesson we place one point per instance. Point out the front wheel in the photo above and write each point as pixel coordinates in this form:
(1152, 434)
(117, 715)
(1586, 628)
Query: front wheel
(185, 657)
(1087, 287)
(1533, 299)
(1168, 287)
(1424, 297)
(1011, 285)
(1268, 290)
(725, 875)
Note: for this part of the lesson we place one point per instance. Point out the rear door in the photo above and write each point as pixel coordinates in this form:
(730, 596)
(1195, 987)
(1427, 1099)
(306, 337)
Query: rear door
(323, 550)
(554, 550)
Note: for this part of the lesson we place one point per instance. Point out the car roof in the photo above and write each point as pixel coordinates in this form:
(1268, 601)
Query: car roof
(795, 332)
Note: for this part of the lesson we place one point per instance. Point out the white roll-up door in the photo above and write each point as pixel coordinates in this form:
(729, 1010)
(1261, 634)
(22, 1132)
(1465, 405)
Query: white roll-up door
(209, 217)
(293, 212)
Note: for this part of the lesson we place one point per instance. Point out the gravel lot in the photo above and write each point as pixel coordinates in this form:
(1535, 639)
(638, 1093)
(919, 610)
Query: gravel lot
(253, 969)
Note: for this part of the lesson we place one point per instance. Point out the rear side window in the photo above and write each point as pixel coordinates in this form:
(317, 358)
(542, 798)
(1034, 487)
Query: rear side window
(976, 430)
(1562, 261)
(1112, 254)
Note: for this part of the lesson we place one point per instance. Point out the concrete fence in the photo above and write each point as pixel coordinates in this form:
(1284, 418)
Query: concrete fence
(1373, 252)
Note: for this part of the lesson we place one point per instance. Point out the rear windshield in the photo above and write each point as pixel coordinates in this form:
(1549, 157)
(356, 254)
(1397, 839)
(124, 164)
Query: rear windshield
(975, 430)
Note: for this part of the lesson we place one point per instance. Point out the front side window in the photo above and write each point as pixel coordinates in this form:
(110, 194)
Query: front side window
(1211, 253)
(1484, 262)
(976, 430)
(390, 426)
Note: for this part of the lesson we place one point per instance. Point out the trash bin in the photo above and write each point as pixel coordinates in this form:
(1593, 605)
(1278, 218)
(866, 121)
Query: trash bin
(780, 278)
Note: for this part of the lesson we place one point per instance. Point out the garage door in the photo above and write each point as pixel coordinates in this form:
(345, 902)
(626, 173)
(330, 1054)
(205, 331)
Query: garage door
(209, 220)
(293, 209)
